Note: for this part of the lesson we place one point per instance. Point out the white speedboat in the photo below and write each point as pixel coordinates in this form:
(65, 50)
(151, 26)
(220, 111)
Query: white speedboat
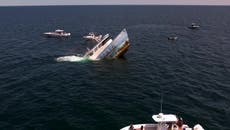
(108, 48)
(194, 26)
(172, 38)
(93, 36)
(57, 33)
(163, 122)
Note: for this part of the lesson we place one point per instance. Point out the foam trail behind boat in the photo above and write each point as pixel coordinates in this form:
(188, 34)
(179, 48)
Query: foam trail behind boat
(72, 58)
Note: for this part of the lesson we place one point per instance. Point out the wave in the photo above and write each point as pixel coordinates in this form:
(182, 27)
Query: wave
(72, 58)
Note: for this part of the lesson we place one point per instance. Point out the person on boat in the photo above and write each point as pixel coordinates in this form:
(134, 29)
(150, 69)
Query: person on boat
(169, 126)
(180, 123)
(131, 127)
(175, 127)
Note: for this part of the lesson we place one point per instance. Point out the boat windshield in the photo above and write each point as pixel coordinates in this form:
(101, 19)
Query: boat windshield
(164, 118)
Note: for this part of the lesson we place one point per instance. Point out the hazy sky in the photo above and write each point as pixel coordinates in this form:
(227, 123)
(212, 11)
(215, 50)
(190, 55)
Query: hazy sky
(109, 2)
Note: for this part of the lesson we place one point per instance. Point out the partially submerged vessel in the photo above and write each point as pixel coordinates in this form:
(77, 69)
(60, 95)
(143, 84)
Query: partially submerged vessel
(57, 33)
(108, 48)
(194, 26)
(93, 36)
(164, 122)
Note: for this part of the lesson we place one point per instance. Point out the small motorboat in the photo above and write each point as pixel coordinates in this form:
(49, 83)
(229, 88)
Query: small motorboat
(194, 26)
(163, 122)
(57, 33)
(93, 36)
(172, 38)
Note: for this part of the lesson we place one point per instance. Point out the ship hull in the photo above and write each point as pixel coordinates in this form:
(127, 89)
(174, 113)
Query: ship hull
(120, 45)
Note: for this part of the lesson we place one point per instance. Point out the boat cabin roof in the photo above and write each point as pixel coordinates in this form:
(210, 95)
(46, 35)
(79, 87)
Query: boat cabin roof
(165, 118)
(59, 30)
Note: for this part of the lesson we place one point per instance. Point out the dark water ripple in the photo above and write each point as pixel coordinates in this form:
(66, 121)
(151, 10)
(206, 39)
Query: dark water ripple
(37, 92)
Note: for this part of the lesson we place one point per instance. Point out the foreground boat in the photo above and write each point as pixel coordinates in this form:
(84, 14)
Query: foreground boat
(57, 33)
(164, 122)
(108, 48)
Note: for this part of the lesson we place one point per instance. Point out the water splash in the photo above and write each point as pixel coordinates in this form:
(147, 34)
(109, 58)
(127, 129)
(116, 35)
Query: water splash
(72, 58)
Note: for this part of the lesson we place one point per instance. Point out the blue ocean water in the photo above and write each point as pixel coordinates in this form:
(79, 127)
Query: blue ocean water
(39, 93)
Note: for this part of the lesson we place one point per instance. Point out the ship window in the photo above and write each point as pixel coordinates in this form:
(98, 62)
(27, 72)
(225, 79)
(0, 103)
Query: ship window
(106, 40)
(95, 49)
(91, 53)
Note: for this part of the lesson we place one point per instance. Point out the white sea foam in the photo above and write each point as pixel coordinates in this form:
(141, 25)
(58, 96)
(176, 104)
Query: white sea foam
(72, 58)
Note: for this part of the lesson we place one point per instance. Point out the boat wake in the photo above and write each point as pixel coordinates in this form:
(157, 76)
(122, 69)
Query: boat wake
(72, 58)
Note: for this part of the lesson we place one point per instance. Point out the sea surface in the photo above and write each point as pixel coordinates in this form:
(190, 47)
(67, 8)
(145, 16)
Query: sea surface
(39, 92)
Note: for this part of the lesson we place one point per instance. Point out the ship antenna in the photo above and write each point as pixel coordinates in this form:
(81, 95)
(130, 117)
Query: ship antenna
(161, 100)
(161, 123)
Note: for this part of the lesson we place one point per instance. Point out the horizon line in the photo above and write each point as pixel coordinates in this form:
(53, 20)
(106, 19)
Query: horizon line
(117, 5)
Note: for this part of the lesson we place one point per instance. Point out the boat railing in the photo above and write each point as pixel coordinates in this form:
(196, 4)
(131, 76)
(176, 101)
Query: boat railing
(99, 45)
(102, 42)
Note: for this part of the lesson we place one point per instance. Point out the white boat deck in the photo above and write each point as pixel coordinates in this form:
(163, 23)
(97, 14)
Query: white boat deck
(164, 122)
(57, 33)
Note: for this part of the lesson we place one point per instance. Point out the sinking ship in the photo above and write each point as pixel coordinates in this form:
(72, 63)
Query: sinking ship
(109, 48)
